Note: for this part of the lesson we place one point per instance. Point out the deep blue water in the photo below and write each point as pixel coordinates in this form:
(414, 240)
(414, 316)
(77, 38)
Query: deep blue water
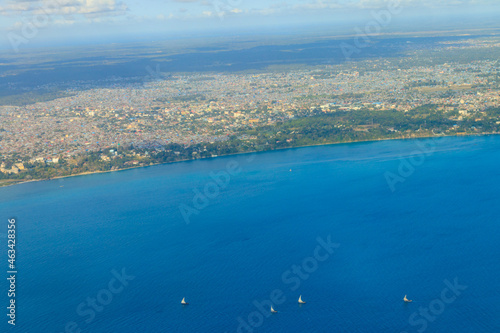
(441, 223)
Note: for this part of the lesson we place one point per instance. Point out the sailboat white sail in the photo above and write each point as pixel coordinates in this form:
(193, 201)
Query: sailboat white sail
(272, 310)
(300, 300)
(183, 302)
(406, 300)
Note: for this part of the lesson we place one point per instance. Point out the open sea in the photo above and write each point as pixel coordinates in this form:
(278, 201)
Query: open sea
(353, 228)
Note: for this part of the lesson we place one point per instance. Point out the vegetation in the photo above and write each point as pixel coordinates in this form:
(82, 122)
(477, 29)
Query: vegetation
(317, 128)
(31, 97)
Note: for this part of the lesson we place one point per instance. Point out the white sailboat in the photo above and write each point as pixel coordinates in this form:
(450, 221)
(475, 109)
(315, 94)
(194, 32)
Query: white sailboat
(406, 300)
(272, 310)
(183, 302)
(300, 300)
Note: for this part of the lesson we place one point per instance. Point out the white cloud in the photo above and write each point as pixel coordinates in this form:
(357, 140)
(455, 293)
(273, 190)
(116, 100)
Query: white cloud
(313, 5)
(88, 8)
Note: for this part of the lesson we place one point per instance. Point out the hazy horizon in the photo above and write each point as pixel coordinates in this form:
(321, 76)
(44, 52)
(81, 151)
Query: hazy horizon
(47, 23)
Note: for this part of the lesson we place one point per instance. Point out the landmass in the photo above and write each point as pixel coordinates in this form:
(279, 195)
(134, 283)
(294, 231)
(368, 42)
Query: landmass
(449, 87)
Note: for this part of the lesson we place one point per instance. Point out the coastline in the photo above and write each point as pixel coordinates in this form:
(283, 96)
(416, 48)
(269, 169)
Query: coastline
(247, 152)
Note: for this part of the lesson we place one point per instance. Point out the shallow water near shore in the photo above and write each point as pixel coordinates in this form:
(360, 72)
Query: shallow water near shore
(258, 224)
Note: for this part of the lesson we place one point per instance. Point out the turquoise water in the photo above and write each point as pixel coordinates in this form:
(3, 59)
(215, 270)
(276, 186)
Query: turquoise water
(259, 236)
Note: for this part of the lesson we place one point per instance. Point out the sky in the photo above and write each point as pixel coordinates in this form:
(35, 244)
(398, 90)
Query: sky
(35, 23)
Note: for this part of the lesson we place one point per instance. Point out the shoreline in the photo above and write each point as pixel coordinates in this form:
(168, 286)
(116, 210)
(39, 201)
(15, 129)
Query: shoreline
(248, 152)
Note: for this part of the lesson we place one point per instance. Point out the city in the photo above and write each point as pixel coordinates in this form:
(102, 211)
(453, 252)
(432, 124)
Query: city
(196, 108)
(250, 166)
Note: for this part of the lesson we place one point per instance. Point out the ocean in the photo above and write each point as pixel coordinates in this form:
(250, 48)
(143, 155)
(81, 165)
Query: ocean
(353, 228)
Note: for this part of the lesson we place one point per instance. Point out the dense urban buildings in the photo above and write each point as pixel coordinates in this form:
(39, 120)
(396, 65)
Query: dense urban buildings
(195, 108)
